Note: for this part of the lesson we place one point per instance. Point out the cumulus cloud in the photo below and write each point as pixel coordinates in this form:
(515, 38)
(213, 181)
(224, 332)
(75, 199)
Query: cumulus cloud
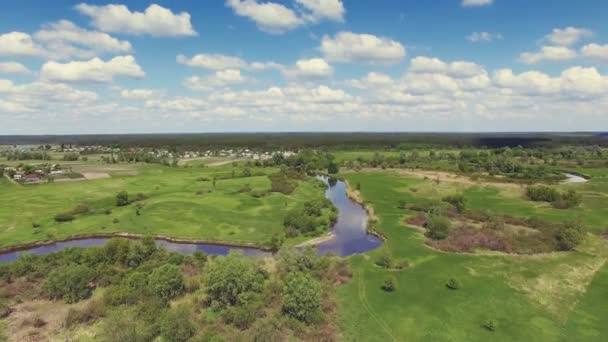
(221, 78)
(13, 68)
(476, 3)
(140, 94)
(314, 68)
(322, 9)
(222, 62)
(19, 44)
(275, 18)
(568, 36)
(155, 20)
(479, 37)
(352, 47)
(457, 69)
(548, 53)
(94, 70)
(595, 51)
(268, 16)
(63, 39)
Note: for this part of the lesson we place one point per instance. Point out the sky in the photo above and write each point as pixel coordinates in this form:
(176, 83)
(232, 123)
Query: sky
(70, 67)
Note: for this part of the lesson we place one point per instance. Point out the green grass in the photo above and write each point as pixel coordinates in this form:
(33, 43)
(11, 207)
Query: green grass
(533, 298)
(172, 206)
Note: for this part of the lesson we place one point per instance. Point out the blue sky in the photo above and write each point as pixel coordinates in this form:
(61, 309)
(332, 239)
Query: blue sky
(303, 65)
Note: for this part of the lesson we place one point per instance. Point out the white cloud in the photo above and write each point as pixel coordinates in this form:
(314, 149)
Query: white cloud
(95, 70)
(13, 68)
(477, 37)
(476, 3)
(548, 53)
(19, 44)
(268, 16)
(140, 94)
(63, 39)
(568, 36)
(5, 85)
(155, 20)
(221, 78)
(323, 9)
(221, 62)
(314, 68)
(595, 51)
(367, 48)
(212, 61)
(458, 69)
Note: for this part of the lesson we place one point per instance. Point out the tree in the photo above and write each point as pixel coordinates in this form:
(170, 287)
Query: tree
(569, 235)
(71, 283)
(166, 281)
(302, 298)
(176, 326)
(228, 277)
(123, 325)
(437, 227)
(122, 199)
(332, 168)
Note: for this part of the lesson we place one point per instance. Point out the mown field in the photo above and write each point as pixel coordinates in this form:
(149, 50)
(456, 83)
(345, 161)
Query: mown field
(559, 296)
(179, 202)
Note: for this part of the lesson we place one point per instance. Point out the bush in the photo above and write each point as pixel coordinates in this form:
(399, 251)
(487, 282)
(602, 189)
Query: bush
(453, 284)
(64, 217)
(123, 325)
(457, 201)
(494, 222)
(80, 209)
(490, 324)
(385, 260)
(91, 312)
(122, 199)
(166, 281)
(569, 235)
(280, 182)
(437, 227)
(70, 282)
(302, 298)
(389, 284)
(176, 326)
(228, 277)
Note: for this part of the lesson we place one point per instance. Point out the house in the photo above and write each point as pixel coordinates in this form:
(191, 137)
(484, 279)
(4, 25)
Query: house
(31, 178)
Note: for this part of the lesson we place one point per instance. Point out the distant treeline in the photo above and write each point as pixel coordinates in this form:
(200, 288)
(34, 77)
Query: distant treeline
(316, 140)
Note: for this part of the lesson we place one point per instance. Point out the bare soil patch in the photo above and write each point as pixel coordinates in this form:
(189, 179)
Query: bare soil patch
(95, 175)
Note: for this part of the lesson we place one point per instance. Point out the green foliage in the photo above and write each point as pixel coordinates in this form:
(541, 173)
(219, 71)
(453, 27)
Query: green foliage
(542, 193)
(298, 260)
(70, 283)
(166, 281)
(281, 182)
(457, 201)
(385, 260)
(437, 227)
(390, 284)
(569, 235)
(176, 326)
(332, 168)
(124, 325)
(122, 199)
(64, 217)
(302, 298)
(306, 219)
(453, 284)
(229, 277)
(490, 324)
(71, 156)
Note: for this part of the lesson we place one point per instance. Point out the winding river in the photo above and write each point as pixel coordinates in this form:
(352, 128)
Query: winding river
(349, 234)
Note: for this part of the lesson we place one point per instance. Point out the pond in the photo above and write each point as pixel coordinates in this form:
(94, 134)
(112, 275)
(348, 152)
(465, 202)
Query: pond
(350, 234)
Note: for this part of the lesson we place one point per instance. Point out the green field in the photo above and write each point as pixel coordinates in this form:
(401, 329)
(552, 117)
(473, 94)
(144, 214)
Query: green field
(551, 297)
(176, 205)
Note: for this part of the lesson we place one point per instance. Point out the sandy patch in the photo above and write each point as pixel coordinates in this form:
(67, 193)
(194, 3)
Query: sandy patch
(95, 175)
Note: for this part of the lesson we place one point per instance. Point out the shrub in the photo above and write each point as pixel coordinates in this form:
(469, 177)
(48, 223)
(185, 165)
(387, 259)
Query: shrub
(457, 201)
(437, 227)
(115, 220)
(494, 223)
(91, 312)
(389, 284)
(71, 283)
(123, 325)
(64, 217)
(453, 284)
(402, 204)
(228, 277)
(385, 260)
(542, 193)
(302, 298)
(36, 225)
(245, 188)
(280, 182)
(108, 211)
(166, 281)
(80, 209)
(176, 326)
(122, 199)
(490, 324)
(569, 235)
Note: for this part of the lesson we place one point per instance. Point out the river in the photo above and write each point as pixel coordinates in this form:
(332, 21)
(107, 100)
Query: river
(350, 234)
